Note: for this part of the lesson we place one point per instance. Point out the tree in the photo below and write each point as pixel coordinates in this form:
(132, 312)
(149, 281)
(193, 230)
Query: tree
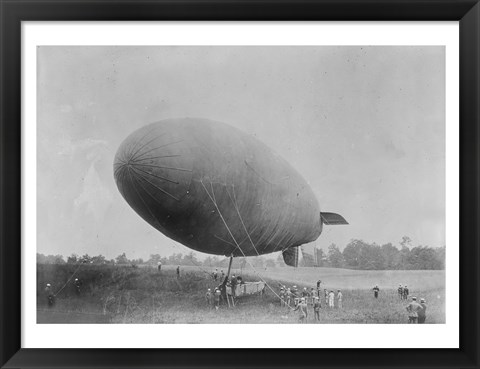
(320, 256)
(190, 259)
(154, 259)
(122, 259)
(86, 259)
(98, 260)
(352, 252)
(391, 256)
(334, 256)
(72, 259)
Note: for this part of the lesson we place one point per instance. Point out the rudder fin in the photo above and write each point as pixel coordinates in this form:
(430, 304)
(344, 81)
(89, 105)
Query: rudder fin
(290, 256)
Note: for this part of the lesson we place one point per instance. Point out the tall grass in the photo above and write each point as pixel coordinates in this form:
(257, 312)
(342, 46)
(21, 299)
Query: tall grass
(143, 295)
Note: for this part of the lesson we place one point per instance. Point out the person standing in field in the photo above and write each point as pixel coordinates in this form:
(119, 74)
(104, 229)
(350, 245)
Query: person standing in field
(49, 295)
(288, 295)
(339, 299)
(78, 286)
(326, 296)
(302, 308)
(208, 298)
(305, 295)
(331, 299)
(233, 284)
(282, 297)
(215, 275)
(413, 308)
(294, 291)
(217, 295)
(405, 292)
(316, 308)
(159, 266)
(400, 292)
(319, 289)
(222, 277)
(178, 271)
(376, 290)
(312, 296)
(422, 314)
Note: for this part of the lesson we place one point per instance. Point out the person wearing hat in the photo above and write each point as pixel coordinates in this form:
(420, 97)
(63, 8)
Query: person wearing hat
(288, 296)
(413, 308)
(339, 299)
(208, 297)
(331, 299)
(376, 290)
(49, 294)
(159, 266)
(217, 295)
(311, 296)
(77, 283)
(319, 289)
(302, 308)
(215, 274)
(326, 296)
(233, 284)
(282, 296)
(400, 291)
(422, 313)
(316, 308)
(294, 291)
(405, 292)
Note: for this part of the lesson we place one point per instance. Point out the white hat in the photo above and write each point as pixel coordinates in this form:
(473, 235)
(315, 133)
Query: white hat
(48, 284)
(76, 279)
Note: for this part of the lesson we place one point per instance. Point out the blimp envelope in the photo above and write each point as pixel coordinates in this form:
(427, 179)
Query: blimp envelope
(216, 189)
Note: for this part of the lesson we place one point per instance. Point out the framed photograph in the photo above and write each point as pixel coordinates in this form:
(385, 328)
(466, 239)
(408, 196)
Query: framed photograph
(239, 184)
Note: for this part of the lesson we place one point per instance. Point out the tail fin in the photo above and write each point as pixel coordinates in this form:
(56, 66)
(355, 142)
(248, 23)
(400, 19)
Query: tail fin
(332, 219)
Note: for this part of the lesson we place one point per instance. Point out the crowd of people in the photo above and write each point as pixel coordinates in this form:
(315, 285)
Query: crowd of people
(303, 300)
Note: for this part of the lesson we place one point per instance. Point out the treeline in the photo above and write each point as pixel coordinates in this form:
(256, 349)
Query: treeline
(358, 254)
(189, 259)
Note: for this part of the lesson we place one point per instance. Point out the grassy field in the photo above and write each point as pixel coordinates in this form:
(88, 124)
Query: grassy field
(116, 294)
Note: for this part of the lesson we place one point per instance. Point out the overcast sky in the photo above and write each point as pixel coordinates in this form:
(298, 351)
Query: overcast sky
(365, 126)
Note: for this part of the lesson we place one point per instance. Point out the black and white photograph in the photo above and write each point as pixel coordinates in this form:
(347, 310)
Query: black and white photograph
(241, 184)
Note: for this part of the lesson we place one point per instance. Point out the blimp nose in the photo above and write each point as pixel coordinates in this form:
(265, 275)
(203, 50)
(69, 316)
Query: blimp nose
(151, 171)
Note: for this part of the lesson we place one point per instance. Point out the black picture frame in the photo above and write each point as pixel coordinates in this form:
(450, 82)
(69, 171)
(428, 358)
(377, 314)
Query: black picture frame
(467, 12)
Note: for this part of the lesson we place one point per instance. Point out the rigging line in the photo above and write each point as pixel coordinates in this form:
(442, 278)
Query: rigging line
(69, 279)
(141, 198)
(156, 157)
(228, 229)
(118, 168)
(154, 175)
(162, 167)
(160, 189)
(132, 155)
(213, 192)
(145, 135)
(246, 231)
(241, 220)
(156, 148)
(221, 239)
(149, 194)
